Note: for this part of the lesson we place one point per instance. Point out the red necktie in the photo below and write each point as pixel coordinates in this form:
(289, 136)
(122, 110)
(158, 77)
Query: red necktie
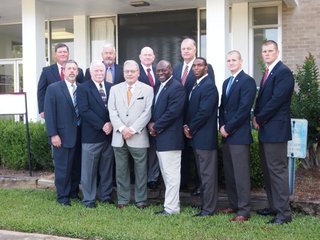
(151, 81)
(61, 74)
(184, 75)
(265, 76)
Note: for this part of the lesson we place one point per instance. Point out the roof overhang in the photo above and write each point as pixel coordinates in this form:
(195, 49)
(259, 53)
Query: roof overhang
(291, 3)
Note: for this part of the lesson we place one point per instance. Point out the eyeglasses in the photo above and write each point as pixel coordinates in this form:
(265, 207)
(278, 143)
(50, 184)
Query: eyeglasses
(130, 71)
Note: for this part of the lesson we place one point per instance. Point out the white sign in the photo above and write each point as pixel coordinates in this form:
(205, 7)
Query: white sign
(297, 147)
(13, 103)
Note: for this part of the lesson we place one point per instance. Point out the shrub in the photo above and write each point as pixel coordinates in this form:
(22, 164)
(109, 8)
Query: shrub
(13, 146)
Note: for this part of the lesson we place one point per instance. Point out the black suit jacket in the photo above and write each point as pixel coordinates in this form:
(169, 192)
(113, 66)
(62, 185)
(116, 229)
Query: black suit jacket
(143, 77)
(202, 114)
(51, 74)
(60, 115)
(94, 114)
(272, 108)
(191, 79)
(234, 111)
(118, 72)
(167, 114)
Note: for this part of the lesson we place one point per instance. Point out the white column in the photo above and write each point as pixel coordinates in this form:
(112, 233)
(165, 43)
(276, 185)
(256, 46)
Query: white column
(218, 38)
(33, 29)
(81, 41)
(240, 31)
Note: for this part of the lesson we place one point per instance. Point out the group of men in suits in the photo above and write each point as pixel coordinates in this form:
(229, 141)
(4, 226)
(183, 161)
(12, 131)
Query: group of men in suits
(168, 113)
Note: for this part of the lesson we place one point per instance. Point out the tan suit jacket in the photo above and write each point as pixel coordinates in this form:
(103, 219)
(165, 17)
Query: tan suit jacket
(136, 115)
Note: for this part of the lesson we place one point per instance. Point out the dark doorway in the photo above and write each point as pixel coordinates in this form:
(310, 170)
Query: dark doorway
(162, 31)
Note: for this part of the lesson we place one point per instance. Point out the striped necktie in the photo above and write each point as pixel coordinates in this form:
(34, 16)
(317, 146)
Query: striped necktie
(75, 103)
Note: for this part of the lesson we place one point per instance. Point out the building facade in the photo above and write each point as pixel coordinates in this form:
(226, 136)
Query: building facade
(29, 29)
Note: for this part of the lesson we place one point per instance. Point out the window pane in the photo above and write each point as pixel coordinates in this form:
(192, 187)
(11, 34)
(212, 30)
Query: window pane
(11, 41)
(203, 33)
(102, 31)
(260, 35)
(6, 78)
(62, 32)
(265, 15)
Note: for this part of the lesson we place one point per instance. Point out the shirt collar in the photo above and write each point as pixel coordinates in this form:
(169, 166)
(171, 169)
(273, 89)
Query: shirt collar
(273, 64)
(236, 74)
(200, 79)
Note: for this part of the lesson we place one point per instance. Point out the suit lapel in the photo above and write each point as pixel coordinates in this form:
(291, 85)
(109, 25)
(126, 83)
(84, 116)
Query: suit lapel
(55, 72)
(270, 76)
(96, 93)
(65, 91)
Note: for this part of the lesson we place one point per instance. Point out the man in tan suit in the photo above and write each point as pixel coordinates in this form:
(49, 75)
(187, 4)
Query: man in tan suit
(130, 111)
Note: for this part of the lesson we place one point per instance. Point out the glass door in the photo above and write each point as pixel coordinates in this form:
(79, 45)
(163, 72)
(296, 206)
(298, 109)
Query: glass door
(11, 75)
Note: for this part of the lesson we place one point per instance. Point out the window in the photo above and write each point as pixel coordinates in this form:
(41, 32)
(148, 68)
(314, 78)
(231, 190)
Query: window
(264, 25)
(102, 31)
(60, 32)
(203, 33)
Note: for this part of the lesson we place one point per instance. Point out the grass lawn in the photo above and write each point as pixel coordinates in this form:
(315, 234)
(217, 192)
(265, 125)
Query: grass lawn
(37, 211)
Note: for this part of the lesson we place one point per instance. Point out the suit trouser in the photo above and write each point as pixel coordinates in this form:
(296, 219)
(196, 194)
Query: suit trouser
(170, 164)
(207, 165)
(63, 161)
(140, 158)
(275, 171)
(153, 162)
(76, 167)
(237, 176)
(97, 158)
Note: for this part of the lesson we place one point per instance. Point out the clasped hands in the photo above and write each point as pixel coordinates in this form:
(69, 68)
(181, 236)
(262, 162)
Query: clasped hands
(107, 128)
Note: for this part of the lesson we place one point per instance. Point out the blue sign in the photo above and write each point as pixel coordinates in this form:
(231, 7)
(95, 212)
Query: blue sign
(297, 147)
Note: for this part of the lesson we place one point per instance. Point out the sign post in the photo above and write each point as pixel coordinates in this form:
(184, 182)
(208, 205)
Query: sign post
(297, 147)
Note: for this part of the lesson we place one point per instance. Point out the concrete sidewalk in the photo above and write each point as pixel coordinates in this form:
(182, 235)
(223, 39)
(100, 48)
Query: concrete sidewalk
(10, 235)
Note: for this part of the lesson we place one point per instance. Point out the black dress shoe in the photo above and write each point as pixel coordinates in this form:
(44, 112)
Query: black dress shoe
(280, 221)
(266, 212)
(91, 205)
(203, 214)
(121, 205)
(141, 206)
(75, 198)
(195, 191)
(107, 201)
(163, 213)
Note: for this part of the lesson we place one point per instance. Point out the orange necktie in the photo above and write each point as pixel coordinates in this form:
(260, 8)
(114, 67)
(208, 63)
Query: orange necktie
(129, 94)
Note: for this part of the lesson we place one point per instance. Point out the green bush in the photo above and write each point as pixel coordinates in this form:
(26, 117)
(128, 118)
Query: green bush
(13, 146)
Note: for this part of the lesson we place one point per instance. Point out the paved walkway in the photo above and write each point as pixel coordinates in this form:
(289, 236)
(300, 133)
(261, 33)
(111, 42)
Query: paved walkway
(10, 235)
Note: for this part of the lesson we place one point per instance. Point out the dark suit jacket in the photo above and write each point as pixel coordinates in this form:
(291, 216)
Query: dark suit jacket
(93, 112)
(167, 113)
(202, 115)
(51, 74)
(118, 72)
(60, 114)
(191, 79)
(234, 111)
(272, 108)
(143, 77)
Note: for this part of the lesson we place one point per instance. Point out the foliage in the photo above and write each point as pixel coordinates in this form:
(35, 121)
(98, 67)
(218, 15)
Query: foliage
(27, 211)
(13, 145)
(306, 99)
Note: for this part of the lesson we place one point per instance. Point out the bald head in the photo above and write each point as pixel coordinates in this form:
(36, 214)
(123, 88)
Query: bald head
(147, 56)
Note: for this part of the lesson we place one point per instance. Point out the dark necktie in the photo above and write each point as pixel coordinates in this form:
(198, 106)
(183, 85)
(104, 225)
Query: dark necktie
(75, 103)
(229, 85)
(62, 73)
(103, 94)
(184, 75)
(265, 76)
(151, 81)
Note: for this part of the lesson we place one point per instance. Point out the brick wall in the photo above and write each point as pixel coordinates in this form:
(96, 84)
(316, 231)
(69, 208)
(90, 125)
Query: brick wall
(301, 32)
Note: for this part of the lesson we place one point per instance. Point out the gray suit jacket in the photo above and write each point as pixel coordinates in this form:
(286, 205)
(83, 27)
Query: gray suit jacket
(136, 115)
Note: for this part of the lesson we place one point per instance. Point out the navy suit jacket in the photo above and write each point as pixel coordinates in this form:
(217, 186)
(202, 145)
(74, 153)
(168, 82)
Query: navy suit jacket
(94, 114)
(144, 78)
(272, 108)
(202, 116)
(60, 115)
(234, 111)
(118, 74)
(51, 74)
(167, 114)
(191, 79)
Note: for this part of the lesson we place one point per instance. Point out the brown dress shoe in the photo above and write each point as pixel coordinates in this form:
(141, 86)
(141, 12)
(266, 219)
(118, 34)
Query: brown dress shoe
(239, 218)
(121, 205)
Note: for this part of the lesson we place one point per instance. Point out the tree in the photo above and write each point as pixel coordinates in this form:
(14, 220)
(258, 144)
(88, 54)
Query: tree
(306, 104)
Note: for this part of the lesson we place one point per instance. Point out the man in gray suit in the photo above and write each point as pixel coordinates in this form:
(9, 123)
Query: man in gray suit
(130, 111)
